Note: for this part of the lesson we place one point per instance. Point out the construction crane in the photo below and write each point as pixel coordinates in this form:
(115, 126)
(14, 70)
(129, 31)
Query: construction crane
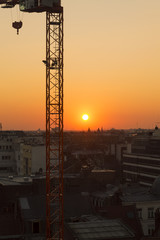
(54, 107)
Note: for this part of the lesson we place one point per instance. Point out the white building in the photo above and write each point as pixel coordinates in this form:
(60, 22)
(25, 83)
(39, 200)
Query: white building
(141, 168)
(9, 142)
(146, 203)
(32, 159)
(142, 164)
(118, 149)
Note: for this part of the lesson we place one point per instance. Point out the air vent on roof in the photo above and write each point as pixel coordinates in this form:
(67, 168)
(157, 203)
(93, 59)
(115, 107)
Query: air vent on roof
(26, 179)
(32, 175)
(10, 177)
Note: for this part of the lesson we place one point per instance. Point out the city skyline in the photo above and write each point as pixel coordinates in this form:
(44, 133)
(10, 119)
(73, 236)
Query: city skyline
(111, 66)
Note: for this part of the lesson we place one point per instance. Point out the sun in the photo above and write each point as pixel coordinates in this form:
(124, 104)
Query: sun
(85, 117)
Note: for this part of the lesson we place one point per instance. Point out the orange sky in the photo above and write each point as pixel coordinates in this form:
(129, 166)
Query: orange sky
(111, 57)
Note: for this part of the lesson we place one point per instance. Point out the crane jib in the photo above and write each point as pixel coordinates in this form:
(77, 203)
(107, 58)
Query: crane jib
(33, 5)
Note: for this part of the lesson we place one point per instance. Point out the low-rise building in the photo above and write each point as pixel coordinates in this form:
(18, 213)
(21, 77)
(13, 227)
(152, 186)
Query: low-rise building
(147, 201)
(22, 208)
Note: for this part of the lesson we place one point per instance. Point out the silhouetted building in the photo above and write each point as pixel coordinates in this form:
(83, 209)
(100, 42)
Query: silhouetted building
(22, 208)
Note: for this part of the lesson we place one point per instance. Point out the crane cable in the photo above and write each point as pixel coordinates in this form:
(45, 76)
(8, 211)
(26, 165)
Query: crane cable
(17, 24)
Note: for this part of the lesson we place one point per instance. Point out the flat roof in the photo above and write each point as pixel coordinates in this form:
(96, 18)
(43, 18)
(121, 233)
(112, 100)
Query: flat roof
(107, 193)
(100, 229)
(143, 197)
(11, 180)
(103, 171)
(5, 182)
(136, 193)
(87, 152)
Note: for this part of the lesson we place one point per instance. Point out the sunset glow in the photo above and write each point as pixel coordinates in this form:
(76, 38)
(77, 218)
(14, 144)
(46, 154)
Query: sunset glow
(111, 74)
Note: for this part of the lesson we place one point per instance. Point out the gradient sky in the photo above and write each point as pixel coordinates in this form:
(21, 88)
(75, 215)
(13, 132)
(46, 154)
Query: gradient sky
(112, 66)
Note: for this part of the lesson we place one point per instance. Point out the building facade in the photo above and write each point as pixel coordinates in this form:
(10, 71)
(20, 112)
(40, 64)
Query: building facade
(32, 159)
(141, 168)
(9, 142)
(142, 164)
(147, 201)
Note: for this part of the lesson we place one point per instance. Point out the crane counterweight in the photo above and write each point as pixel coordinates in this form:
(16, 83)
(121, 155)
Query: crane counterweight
(39, 5)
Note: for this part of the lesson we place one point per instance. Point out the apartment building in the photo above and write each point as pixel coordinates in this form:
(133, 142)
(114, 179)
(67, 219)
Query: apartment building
(146, 200)
(32, 159)
(143, 163)
(9, 142)
(21, 153)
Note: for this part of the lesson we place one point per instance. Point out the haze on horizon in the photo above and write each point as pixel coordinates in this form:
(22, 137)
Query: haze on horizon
(111, 66)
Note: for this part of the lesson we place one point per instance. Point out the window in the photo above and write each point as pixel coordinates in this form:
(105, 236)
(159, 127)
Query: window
(150, 230)
(6, 157)
(139, 210)
(36, 227)
(150, 212)
(130, 215)
(3, 169)
(102, 203)
(95, 202)
(26, 160)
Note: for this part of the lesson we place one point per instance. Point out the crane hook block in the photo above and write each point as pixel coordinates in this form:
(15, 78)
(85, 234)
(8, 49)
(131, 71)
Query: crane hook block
(17, 25)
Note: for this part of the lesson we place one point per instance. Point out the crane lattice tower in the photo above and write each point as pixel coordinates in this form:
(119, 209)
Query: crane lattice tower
(54, 108)
(54, 124)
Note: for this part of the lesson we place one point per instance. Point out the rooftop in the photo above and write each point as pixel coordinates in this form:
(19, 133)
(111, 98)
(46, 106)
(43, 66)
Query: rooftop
(136, 193)
(96, 228)
(108, 193)
(18, 180)
(33, 207)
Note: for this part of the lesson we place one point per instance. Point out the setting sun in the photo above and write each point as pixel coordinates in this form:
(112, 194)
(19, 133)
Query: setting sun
(85, 117)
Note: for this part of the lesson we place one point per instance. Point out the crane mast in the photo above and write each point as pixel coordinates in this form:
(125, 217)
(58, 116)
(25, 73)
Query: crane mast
(54, 125)
(54, 108)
